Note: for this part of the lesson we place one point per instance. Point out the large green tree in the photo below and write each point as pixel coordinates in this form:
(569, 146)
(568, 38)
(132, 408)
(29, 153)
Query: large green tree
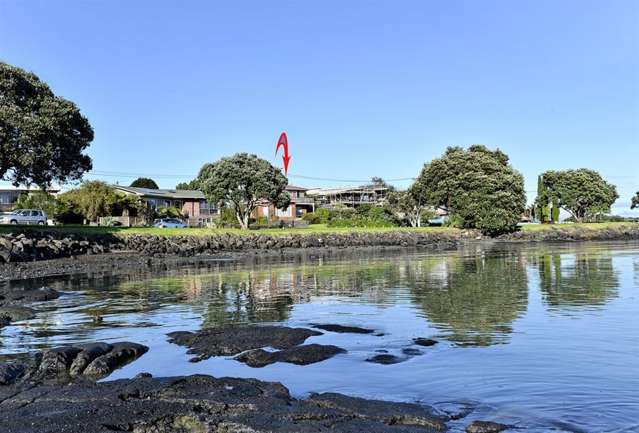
(42, 136)
(240, 182)
(477, 186)
(583, 192)
(635, 201)
(92, 200)
(144, 182)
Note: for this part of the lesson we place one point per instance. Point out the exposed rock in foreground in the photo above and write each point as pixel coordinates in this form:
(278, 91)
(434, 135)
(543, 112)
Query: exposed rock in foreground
(63, 364)
(248, 342)
(486, 427)
(200, 404)
(300, 355)
(343, 329)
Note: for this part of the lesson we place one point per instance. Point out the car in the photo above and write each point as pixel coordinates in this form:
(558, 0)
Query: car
(438, 220)
(172, 223)
(25, 216)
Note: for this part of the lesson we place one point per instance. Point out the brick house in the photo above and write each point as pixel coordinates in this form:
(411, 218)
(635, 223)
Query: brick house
(300, 204)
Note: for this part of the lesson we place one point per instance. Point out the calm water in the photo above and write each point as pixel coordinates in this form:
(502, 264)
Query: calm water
(544, 337)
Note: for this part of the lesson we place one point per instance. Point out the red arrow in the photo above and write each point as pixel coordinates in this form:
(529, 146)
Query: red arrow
(283, 141)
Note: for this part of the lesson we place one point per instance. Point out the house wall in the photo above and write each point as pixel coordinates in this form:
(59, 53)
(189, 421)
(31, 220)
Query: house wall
(191, 208)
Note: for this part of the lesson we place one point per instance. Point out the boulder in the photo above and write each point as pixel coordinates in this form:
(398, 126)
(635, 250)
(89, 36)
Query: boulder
(300, 355)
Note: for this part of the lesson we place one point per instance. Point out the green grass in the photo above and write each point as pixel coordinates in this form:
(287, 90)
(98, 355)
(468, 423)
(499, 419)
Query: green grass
(313, 229)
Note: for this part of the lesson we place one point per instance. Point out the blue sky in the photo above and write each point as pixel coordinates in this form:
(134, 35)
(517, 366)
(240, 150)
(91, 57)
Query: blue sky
(363, 88)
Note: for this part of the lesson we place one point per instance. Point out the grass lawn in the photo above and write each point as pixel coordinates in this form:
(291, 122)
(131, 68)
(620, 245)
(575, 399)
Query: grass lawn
(317, 228)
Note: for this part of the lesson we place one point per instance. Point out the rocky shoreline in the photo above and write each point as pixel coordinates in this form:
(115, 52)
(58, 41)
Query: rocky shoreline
(29, 246)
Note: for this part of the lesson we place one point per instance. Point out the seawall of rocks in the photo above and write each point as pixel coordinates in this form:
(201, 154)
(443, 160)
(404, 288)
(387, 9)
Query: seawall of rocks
(34, 246)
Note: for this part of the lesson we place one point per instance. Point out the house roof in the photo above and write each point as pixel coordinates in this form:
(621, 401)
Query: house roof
(11, 188)
(295, 188)
(167, 194)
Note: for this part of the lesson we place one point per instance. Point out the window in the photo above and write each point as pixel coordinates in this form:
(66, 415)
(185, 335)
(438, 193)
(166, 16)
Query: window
(284, 213)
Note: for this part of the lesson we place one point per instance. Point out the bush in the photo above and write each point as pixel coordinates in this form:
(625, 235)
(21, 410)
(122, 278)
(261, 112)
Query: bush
(363, 216)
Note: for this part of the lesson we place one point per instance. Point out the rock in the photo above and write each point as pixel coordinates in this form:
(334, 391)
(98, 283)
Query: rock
(15, 296)
(201, 404)
(485, 427)
(300, 355)
(385, 359)
(10, 372)
(120, 355)
(411, 351)
(88, 354)
(15, 314)
(426, 342)
(92, 361)
(232, 340)
(343, 329)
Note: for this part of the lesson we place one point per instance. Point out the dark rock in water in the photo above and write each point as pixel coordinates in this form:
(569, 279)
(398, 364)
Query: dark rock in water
(385, 359)
(10, 372)
(381, 351)
(232, 340)
(486, 427)
(93, 361)
(10, 314)
(120, 355)
(200, 404)
(426, 342)
(411, 351)
(88, 354)
(300, 355)
(343, 329)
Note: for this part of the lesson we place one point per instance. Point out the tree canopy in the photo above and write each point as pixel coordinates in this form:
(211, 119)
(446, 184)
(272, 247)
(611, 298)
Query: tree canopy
(92, 199)
(144, 182)
(42, 136)
(635, 201)
(241, 181)
(583, 192)
(409, 205)
(477, 186)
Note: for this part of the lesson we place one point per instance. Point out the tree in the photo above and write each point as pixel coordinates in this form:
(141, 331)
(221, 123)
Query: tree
(192, 185)
(583, 192)
(477, 186)
(92, 199)
(42, 136)
(635, 201)
(408, 205)
(144, 182)
(241, 182)
(39, 200)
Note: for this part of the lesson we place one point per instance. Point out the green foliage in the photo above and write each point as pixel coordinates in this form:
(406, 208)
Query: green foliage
(407, 206)
(363, 216)
(39, 200)
(169, 212)
(241, 182)
(42, 136)
(320, 216)
(192, 185)
(144, 182)
(583, 192)
(477, 186)
(635, 201)
(92, 200)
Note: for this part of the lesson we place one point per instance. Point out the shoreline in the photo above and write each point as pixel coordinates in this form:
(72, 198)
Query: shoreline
(38, 254)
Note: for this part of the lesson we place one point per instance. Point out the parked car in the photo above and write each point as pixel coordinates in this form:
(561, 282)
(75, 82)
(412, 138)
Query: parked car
(171, 223)
(24, 216)
(438, 220)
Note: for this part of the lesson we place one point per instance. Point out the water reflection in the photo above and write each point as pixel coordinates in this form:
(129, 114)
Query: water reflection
(585, 279)
(474, 299)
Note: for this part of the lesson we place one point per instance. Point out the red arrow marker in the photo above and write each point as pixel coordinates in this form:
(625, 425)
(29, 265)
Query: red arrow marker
(283, 142)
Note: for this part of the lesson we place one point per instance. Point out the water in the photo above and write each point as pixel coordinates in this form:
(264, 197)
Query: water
(544, 337)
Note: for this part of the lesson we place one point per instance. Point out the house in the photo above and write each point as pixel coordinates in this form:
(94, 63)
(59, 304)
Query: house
(191, 203)
(9, 196)
(300, 204)
(349, 196)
